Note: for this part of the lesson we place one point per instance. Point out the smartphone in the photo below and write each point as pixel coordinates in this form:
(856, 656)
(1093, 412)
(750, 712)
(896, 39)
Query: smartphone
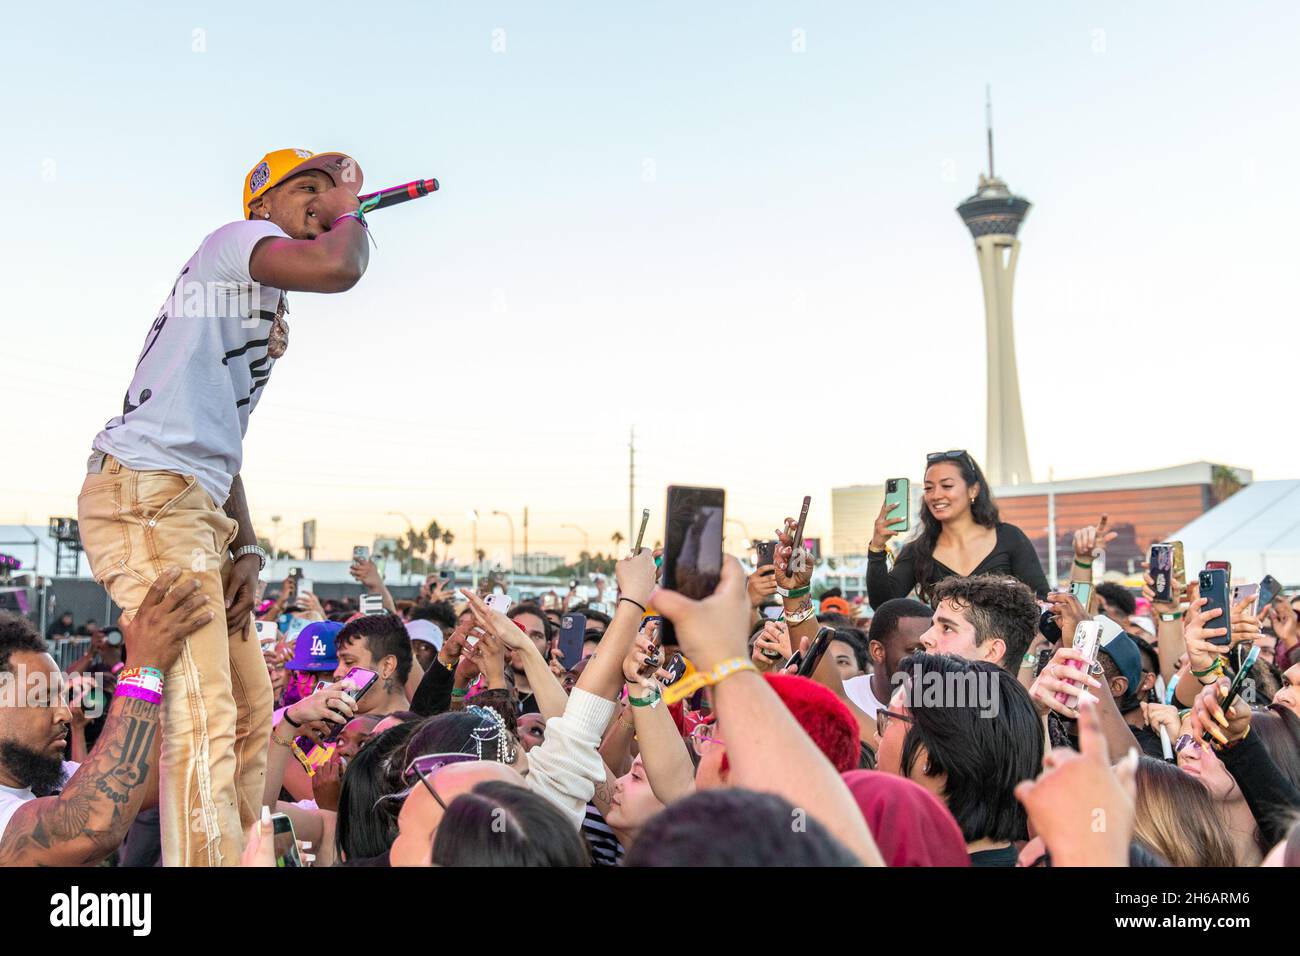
(898, 502)
(306, 586)
(573, 584)
(640, 535)
(1214, 587)
(764, 553)
(295, 573)
(692, 555)
(286, 842)
(1087, 641)
(497, 602)
(1161, 569)
(1242, 591)
(267, 634)
(1082, 592)
(360, 553)
(1180, 569)
(818, 647)
(1220, 566)
(1269, 589)
(573, 632)
(372, 604)
(362, 679)
(1240, 678)
(446, 575)
(803, 519)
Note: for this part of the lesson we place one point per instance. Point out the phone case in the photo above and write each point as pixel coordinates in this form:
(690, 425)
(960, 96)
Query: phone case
(1214, 588)
(1162, 571)
(898, 491)
(1087, 641)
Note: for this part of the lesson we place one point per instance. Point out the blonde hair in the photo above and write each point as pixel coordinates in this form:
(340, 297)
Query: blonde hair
(1178, 819)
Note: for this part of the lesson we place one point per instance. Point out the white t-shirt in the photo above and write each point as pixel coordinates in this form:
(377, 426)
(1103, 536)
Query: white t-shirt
(203, 366)
(859, 691)
(11, 798)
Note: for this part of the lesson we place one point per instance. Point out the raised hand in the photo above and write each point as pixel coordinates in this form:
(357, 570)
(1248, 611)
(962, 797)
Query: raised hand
(884, 528)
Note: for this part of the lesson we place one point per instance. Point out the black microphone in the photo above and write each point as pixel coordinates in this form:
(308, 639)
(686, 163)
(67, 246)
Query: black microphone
(395, 194)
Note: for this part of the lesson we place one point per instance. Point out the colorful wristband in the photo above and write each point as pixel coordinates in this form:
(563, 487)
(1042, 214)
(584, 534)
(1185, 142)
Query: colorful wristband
(139, 693)
(644, 701)
(1080, 564)
(1170, 615)
(1213, 668)
(685, 688)
(459, 691)
(794, 592)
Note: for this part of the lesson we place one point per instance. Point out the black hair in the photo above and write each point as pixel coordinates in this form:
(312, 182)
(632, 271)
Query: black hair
(385, 635)
(453, 733)
(18, 634)
(502, 824)
(367, 822)
(856, 640)
(1279, 729)
(1119, 596)
(884, 623)
(983, 511)
(831, 593)
(982, 751)
(441, 613)
(701, 830)
(998, 607)
(586, 611)
(536, 611)
(834, 619)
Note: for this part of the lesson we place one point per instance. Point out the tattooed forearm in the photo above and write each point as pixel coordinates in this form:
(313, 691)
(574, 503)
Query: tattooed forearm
(90, 818)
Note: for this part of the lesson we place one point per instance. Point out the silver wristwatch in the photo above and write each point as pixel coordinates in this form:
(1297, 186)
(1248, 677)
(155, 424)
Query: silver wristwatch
(252, 549)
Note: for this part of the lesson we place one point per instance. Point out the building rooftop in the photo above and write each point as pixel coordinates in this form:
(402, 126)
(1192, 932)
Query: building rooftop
(1193, 473)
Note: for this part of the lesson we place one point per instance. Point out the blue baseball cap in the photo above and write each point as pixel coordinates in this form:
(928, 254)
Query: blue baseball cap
(1128, 659)
(314, 648)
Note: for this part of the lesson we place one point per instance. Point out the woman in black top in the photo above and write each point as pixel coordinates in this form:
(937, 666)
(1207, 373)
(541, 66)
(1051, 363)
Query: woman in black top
(960, 535)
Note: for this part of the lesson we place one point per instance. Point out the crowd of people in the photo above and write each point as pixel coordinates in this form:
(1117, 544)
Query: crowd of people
(950, 721)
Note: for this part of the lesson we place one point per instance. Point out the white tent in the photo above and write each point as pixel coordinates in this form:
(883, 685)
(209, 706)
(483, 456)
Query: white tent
(1257, 529)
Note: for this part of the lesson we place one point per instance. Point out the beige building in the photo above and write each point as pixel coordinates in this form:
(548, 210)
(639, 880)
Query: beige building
(853, 516)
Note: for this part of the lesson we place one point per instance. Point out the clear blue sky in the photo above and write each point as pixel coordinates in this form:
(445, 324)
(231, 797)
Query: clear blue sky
(647, 208)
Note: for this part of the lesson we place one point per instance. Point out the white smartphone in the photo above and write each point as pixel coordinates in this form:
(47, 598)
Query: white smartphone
(497, 602)
(1242, 591)
(360, 553)
(306, 586)
(372, 604)
(267, 634)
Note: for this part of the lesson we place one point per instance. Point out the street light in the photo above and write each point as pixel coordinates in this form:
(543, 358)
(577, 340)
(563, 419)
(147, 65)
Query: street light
(472, 515)
(512, 543)
(586, 546)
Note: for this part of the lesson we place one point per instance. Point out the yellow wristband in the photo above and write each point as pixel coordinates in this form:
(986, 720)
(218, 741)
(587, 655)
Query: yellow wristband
(688, 686)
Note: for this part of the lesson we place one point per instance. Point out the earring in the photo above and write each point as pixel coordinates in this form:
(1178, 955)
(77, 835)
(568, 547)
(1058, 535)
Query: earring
(266, 215)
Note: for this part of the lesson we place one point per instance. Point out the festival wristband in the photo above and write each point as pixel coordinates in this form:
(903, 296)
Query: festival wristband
(688, 686)
(650, 701)
(1216, 666)
(633, 603)
(459, 691)
(142, 683)
(1080, 564)
(1170, 615)
(799, 614)
(356, 214)
(793, 592)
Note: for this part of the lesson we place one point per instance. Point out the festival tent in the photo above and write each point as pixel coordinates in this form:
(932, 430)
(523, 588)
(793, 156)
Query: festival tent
(1257, 529)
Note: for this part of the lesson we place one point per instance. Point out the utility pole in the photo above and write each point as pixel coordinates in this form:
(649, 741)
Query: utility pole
(527, 567)
(631, 479)
(1051, 529)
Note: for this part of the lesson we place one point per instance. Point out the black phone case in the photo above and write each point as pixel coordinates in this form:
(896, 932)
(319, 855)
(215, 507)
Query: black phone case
(1216, 595)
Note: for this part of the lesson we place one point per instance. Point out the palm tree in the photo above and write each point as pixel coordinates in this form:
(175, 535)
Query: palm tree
(434, 531)
(416, 544)
(617, 538)
(1224, 483)
(447, 538)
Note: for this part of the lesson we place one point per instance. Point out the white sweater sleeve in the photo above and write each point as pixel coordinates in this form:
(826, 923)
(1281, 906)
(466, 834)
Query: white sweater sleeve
(566, 766)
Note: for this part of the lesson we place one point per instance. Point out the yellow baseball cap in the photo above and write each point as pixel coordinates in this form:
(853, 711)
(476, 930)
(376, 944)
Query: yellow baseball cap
(277, 166)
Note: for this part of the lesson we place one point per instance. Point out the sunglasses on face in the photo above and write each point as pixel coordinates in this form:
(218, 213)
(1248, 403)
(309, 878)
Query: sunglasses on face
(423, 767)
(883, 717)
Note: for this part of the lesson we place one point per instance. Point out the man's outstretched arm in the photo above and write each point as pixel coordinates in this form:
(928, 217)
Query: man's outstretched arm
(89, 819)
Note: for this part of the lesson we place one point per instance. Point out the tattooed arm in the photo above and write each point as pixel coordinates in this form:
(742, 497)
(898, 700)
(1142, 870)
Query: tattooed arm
(89, 819)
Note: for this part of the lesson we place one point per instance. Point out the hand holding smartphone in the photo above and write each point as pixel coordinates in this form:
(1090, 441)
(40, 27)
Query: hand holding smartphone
(1214, 588)
(692, 558)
